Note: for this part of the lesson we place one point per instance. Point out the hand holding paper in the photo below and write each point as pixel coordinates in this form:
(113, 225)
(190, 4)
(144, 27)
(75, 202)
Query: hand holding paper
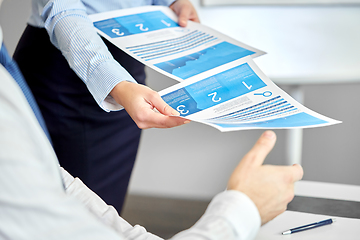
(140, 101)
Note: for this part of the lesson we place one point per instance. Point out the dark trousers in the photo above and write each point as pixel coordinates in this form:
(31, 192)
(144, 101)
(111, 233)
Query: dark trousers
(96, 146)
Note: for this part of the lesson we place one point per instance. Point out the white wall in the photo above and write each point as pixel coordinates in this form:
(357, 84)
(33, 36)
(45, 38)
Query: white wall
(195, 161)
(13, 17)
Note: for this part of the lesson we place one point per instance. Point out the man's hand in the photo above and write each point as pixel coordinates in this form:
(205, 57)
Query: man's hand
(271, 188)
(140, 101)
(185, 11)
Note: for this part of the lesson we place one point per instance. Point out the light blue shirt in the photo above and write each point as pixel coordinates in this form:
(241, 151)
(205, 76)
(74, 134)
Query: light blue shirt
(71, 31)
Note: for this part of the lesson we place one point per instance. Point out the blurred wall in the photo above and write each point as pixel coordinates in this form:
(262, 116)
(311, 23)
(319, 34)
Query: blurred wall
(195, 161)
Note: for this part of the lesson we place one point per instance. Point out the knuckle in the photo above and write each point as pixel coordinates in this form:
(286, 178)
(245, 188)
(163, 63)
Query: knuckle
(263, 142)
(153, 94)
(166, 108)
(288, 179)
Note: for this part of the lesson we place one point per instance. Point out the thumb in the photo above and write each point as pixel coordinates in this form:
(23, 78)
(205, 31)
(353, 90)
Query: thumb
(261, 149)
(163, 107)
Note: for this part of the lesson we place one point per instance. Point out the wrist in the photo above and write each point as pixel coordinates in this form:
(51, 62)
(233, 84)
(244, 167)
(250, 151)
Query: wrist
(119, 90)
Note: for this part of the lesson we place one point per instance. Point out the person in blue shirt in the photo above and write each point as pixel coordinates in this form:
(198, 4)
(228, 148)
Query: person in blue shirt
(81, 81)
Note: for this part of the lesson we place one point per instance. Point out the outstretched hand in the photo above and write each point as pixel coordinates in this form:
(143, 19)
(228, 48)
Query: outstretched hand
(185, 11)
(141, 101)
(271, 188)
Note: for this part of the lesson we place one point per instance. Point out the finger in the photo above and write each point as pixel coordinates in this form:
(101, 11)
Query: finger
(297, 172)
(184, 16)
(290, 174)
(194, 17)
(261, 149)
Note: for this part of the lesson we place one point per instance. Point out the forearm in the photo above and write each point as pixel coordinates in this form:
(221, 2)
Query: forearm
(71, 30)
(230, 215)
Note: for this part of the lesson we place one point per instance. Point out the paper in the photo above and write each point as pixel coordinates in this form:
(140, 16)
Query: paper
(151, 35)
(239, 97)
(343, 228)
(219, 85)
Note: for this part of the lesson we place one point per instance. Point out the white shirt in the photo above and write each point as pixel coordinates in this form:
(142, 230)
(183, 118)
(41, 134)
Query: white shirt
(35, 205)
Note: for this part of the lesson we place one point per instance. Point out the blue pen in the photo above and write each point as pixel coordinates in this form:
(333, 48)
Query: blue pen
(310, 226)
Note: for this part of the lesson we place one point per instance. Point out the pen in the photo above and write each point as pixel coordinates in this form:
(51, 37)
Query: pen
(310, 226)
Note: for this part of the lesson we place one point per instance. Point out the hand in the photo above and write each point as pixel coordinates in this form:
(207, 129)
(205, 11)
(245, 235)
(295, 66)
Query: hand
(185, 11)
(140, 101)
(271, 188)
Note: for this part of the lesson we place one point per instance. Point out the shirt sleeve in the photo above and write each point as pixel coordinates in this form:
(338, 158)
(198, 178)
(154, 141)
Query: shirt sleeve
(34, 204)
(230, 215)
(105, 213)
(71, 30)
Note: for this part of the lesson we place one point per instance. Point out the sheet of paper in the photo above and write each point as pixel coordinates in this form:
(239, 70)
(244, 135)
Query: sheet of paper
(151, 35)
(219, 85)
(343, 228)
(239, 97)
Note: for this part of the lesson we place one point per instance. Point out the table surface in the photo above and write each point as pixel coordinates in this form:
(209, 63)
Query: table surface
(316, 201)
(304, 45)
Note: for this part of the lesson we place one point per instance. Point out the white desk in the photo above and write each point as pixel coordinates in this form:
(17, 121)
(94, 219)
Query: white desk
(316, 201)
(305, 45)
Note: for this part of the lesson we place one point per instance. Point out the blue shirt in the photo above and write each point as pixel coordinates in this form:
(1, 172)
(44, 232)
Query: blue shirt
(71, 31)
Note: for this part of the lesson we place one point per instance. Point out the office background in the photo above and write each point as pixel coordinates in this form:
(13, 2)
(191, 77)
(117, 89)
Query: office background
(194, 161)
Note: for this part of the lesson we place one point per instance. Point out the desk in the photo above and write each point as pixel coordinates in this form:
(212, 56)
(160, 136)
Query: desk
(305, 45)
(315, 201)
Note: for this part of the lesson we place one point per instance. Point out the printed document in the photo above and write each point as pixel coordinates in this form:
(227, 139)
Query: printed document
(151, 35)
(219, 85)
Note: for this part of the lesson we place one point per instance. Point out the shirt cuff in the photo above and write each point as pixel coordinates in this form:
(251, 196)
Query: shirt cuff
(109, 79)
(239, 210)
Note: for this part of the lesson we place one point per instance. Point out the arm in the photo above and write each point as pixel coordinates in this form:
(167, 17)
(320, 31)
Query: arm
(71, 30)
(257, 193)
(230, 215)
(33, 201)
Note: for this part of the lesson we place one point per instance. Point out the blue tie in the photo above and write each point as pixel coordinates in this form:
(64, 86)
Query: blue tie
(11, 66)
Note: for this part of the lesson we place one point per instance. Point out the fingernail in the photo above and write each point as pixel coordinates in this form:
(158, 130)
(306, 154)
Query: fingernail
(175, 113)
(187, 121)
(269, 134)
(183, 23)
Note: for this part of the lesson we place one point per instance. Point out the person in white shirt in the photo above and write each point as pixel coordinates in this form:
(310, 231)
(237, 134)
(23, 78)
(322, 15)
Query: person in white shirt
(39, 200)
